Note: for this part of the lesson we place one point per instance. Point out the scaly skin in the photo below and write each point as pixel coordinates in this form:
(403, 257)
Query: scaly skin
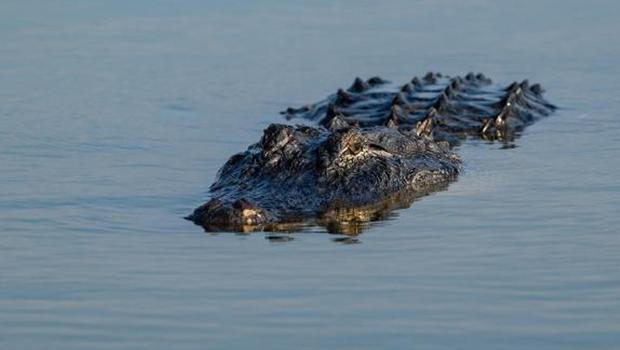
(299, 173)
(448, 108)
(377, 147)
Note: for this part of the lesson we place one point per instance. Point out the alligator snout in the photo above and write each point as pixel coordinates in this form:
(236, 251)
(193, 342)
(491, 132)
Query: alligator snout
(240, 212)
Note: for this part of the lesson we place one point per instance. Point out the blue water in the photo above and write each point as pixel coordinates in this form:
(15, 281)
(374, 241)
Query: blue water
(115, 117)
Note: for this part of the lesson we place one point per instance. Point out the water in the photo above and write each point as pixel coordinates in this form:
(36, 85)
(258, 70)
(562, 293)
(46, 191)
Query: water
(115, 117)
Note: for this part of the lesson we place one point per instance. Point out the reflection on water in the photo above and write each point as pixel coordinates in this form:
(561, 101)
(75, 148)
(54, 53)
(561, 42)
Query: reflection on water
(346, 240)
(350, 221)
(279, 238)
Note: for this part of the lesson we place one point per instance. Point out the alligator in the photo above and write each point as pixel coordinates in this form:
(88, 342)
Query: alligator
(370, 148)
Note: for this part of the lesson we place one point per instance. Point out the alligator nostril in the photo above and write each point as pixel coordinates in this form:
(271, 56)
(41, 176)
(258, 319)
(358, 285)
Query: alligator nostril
(246, 213)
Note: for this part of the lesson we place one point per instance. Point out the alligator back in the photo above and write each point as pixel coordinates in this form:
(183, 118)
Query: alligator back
(448, 108)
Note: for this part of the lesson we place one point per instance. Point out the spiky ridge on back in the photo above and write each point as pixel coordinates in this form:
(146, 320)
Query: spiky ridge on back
(448, 108)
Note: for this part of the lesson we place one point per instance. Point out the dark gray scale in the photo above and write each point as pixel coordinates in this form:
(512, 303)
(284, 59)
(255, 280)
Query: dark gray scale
(395, 117)
(343, 98)
(444, 106)
(359, 86)
(519, 107)
(467, 106)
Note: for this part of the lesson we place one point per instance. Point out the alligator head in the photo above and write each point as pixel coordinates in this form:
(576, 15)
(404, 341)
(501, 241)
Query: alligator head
(296, 173)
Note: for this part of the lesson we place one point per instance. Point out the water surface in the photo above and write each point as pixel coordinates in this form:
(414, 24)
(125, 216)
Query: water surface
(115, 117)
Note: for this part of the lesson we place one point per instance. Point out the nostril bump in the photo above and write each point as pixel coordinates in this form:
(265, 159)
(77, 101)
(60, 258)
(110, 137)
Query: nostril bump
(247, 213)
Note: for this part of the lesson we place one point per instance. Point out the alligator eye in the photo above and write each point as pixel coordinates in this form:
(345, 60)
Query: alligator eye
(353, 147)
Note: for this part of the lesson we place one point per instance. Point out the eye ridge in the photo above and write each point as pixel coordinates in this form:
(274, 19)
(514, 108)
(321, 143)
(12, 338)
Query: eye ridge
(357, 147)
(354, 148)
